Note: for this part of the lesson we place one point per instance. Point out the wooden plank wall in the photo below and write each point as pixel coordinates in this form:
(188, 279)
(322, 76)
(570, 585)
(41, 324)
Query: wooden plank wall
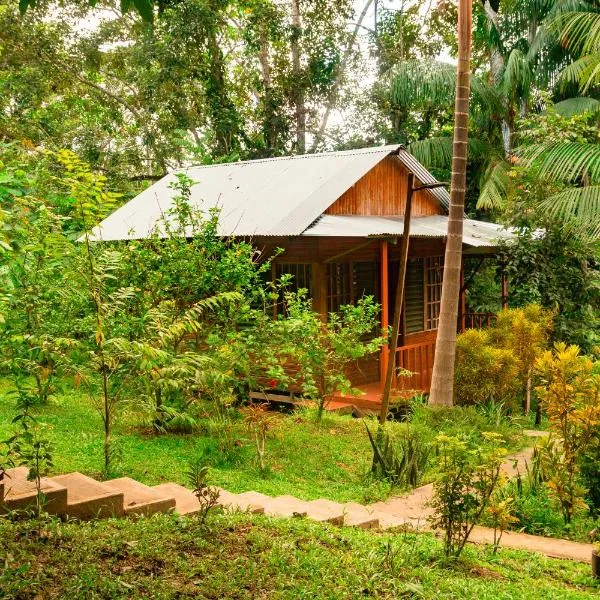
(382, 192)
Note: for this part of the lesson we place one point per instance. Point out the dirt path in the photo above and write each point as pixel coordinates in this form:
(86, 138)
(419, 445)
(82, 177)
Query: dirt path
(413, 508)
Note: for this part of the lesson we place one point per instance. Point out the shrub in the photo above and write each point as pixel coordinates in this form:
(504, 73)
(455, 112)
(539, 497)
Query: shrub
(497, 363)
(570, 391)
(466, 479)
(403, 461)
(482, 370)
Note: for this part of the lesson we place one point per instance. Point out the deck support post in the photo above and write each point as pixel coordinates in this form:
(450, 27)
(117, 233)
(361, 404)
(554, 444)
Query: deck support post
(462, 305)
(385, 309)
(391, 363)
(319, 289)
(504, 281)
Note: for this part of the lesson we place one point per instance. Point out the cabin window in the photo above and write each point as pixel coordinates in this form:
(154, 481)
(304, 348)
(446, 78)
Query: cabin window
(414, 304)
(348, 282)
(434, 270)
(423, 293)
(301, 275)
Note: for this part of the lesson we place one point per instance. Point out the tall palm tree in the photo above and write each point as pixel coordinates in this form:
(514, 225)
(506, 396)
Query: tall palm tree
(442, 383)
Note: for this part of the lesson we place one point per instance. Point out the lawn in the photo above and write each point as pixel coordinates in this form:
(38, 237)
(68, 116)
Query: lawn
(243, 556)
(307, 459)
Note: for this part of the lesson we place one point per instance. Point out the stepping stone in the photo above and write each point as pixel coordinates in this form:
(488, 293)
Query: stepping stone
(20, 494)
(139, 499)
(282, 506)
(186, 502)
(89, 499)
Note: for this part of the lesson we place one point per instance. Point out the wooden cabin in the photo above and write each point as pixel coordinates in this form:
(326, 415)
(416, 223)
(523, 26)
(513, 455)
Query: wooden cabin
(339, 217)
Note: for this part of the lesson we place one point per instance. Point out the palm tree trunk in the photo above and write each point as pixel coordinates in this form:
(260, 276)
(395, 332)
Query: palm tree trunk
(442, 383)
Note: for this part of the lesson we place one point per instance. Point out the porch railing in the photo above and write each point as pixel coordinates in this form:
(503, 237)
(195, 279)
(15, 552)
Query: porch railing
(477, 320)
(418, 359)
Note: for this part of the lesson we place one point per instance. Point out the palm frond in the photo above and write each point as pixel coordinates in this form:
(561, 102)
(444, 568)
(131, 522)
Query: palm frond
(495, 189)
(436, 152)
(580, 206)
(585, 72)
(578, 31)
(564, 161)
(518, 76)
(422, 82)
(432, 82)
(577, 106)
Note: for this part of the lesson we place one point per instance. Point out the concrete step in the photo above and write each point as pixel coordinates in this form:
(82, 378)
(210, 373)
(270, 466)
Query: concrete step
(20, 494)
(186, 502)
(283, 506)
(139, 499)
(89, 499)
(355, 515)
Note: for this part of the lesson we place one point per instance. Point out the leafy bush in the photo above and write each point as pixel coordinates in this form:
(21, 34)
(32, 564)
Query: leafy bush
(570, 391)
(466, 478)
(482, 370)
(497, 363)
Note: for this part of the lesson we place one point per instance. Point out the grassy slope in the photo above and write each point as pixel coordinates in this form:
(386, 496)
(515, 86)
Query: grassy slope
(305, 459)
(255, 557)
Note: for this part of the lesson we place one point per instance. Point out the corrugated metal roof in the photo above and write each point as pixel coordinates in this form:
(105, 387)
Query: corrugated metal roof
(424, 176)
(275, 196)
(475, 233)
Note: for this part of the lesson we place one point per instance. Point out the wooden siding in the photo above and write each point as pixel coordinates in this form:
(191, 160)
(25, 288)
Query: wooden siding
(382, 192)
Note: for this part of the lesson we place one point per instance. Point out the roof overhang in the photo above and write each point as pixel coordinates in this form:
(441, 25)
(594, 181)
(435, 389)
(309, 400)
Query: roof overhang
(476, 234)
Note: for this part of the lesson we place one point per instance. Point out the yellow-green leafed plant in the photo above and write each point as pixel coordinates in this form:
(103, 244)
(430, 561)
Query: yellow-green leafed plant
(525, 332)
(570, 391)
(483, 371)
(497, 363)
(466, 479)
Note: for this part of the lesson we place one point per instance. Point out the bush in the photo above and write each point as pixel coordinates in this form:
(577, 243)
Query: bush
(497, 363)
(483, 371)
(465, 482)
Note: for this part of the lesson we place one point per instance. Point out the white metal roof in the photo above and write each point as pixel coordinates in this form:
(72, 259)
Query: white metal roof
(276, 196)
(475, 233)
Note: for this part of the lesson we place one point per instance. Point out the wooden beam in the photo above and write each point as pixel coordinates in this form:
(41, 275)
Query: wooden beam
(319, 289)
(391, 365)
(385, 310)
(504, 280)
(349, 251)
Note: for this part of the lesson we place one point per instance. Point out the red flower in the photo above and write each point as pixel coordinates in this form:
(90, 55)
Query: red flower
(273, 383)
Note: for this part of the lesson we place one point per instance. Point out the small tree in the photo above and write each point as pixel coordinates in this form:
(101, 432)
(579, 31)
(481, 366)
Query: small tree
(525, 332)
(259, 422)
(466, 479)
(570, 390)
(323, 351)
(32, 279)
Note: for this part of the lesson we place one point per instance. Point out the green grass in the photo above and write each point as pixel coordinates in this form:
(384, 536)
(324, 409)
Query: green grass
(247, 557)
(307, 459)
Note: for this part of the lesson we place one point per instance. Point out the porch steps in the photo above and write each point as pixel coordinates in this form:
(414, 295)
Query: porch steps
(18, 493)
(139, 499)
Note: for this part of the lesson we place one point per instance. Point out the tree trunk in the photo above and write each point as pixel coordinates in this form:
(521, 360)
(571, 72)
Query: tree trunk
(270, 129)
(298, 86)
(442, 383)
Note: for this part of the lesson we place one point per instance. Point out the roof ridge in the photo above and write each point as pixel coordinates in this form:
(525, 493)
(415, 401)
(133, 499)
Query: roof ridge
(351, 152)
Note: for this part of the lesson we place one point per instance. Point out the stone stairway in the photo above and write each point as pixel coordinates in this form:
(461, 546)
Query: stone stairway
(78, 496)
